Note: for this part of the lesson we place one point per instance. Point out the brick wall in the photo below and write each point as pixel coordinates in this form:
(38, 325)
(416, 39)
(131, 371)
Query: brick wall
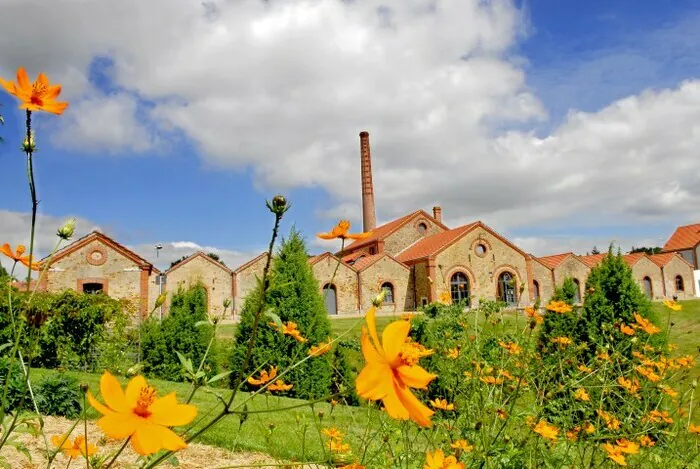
(674, 268)
(409, 234)
(345, 281)
(216, 279)
(574, 268)
(644, 267)
(388, 270)
(543, 276)
(245, 278)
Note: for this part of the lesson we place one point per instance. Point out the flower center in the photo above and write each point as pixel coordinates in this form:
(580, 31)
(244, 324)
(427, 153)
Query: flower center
(38, 91)
(147, 396)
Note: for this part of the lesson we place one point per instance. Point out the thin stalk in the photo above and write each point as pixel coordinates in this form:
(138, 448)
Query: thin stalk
(111, 461)
(87, 456)
(32, 191)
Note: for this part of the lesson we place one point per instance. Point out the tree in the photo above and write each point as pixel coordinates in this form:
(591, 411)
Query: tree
(294, 295)
(3, 273)
(595, 250)
(216, 257)
(647, 250)
(559, 325)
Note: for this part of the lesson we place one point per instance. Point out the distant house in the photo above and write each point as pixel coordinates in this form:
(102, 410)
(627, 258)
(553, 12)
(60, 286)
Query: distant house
(686, 242)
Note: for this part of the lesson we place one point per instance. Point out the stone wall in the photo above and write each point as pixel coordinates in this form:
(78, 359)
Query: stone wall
(543, 275)
(345, 282)
(216, 279)
(482, 270)
(409, 234)
(419, 279)
(97, 262)
(575, 268)
(386, 269)
(673, 268)
(245, 278)
(645, 267)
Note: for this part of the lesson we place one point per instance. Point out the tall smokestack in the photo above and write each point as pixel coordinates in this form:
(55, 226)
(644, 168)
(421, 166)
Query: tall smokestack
(369, 220)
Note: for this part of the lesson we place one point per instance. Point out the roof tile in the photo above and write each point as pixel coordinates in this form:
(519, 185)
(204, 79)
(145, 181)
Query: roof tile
(685, 237)
(432, 244)
(555, 260)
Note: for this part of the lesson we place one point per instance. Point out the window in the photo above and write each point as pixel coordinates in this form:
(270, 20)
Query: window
(648, 291)
(372, 250)
(388, 290)
(93, 287)
(577, 293)
(536, 288)
(330, 299)
(459, 288)
(480, 250)
(506, 288)
(422, 228)
(679, 283)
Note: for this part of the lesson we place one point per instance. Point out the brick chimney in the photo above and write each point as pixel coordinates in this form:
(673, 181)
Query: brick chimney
(369, 220)
(437, 213)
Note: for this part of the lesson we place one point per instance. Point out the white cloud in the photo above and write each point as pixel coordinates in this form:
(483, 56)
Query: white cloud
(547, 246)
(285, 86)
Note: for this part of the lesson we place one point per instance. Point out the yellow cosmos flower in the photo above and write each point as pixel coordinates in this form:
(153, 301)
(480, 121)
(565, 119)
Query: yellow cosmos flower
(320, 349)
(279, 385)
(603, 356)
(78, 447)
(572, 435)
(511, 347)
(337, 446)
(646, 325)
(462, 445)
(627, 330)
(442, 404)
(585, 369)
(40, 96)
(581, 395)
(445, 298)
(138, 413)
(546, 430)
(340, 231)
(627, 446)
(265, 376)
(589, 427)
(562, 341)
(388, 376)
(332, 432)
(560, 307)
(615, 453)
(452, 353)
(502, 414)
(670, 304)
(437, 460)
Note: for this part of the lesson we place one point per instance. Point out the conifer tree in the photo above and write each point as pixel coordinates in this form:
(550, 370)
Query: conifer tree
(559, 325)
(294, 296)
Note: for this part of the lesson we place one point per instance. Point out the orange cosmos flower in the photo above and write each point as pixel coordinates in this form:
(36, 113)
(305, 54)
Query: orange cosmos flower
(560, 307)
(603, 356)
(453, 353)
(40, 96)
(648, 374)
(668, 390)
(534, 316)
(279, 385)
(442, 404)
(332, 432)
(437, 460)
(265, 376)
(610, 420)
(340, 231)
(572, 434)
(589, 427)
(658, 416)
(462, 445)
(581, 395)
(502, 414)
(627, 330)
(320, 349)
(672, 305)
(18, 256)
(138, 413)
(646, 325)
(491, 380)
(585, 369)
(75, 449)
(645, 441)
(692, 428)
(445, 298)
(546, 430)
(389, 374)
(563, 341)
(290, 329)
(615, 453)
(355, 465)
(337, 446)
(631, 386)
(627, 446)
(512, 347)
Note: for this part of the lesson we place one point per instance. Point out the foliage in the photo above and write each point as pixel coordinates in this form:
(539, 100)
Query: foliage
(212, 255)
(567, 292)
(58, 394)
(185, 330)
(16, 386)
(559, 325)
(294, 296)
(646, 250)
(343, 379)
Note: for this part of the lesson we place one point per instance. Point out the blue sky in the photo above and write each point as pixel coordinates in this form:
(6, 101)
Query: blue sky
(573, 56)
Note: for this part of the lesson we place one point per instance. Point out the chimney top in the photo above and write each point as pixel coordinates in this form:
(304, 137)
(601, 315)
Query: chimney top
(364, 133)
(437, 213)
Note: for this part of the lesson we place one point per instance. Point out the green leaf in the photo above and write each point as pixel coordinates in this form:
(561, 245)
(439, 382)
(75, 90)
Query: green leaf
(4, 346)
(275, 318)
(186, 362)
(202, 323)
(218, 377)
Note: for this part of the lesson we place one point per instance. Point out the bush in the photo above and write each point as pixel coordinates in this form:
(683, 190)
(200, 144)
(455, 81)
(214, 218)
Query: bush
(185, 330)
(11, 373)
(58, 394)
(295, 296)
(556, 324)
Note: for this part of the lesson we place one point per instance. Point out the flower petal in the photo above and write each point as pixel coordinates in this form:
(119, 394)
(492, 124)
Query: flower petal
(393, 405)
(415, 376)
(150, 439)
(133, 390)
(371, 320)
(112, 393)
(326, 236)
(98, 406)
(374, 381)
(23, 81)
(120, 425)
(54, 107)
(9, 86)
(52, 92)
(393, 338)
(418, 411)
(167, 412)
(370, 353)
(7, 250)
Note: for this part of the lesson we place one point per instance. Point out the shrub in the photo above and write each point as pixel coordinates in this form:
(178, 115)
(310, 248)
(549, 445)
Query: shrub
(295, 296)
(58, 394)
(11, 373)
(185, 330)
(556, 324)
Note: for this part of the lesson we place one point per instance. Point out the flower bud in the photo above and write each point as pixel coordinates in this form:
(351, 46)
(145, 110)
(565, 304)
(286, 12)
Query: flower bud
(29, 145)
(66, 231)
(279, 202)
(160, 301)
(84, 387)
(321, 414)
(379, 299)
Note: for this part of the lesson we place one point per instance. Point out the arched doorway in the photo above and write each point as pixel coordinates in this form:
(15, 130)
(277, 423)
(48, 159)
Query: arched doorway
(536, 288)
(330, 297)
(459, 288)
(577, 294)
(648, 289)
(506, 288)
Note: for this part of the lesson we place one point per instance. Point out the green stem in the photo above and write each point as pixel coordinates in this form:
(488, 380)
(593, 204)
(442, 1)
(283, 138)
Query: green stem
(109, 464)
(32, 191)
(87, 456)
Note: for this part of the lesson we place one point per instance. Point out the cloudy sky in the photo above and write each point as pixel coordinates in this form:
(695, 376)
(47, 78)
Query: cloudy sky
(562, 125)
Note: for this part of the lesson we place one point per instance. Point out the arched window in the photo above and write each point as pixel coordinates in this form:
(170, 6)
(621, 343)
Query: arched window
(422, 228)
(388, 290)
(648, 290)
(577, 294)
(679, 283)
(536, 289)
(506, 288)
(330, 298)
(459, 288)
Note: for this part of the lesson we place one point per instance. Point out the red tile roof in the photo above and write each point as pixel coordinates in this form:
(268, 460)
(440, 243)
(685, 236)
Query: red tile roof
(685, 237)
(386, 229)
(664, 258)
(632, 259)
(432, 244)
(353, 256)
(555, 260)
(313, 260)
(367, 261)
(592, 260)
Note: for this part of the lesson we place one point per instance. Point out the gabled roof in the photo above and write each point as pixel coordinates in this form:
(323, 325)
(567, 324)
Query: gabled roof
(685, 237)
(633, 258)
(630, 259)
(555, 260)
(354, 256)
(432, 244)
(316, 259)
(107, 241)
(203, 256)
(367, 262)
(381, 232)
(250, 262)
(664, 258)
(592, 260)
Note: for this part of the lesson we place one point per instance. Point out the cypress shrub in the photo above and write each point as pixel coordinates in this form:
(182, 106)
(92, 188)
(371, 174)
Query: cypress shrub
(559, 324)
(295, 296)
